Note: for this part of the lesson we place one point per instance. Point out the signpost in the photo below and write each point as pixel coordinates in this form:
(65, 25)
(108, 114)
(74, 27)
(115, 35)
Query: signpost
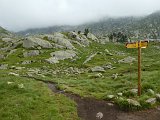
(139, 45)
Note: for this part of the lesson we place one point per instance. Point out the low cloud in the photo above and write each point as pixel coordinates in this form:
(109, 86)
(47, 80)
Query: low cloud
(16, 15)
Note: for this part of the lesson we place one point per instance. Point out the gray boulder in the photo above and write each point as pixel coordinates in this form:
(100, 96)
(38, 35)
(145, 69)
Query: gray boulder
(63, 54)
(59, 39)
(31, 53)
(26, 62)
(3, 66)
(133, 102)
(52, 60)
(151, 101)
(97, 69)
(83, 40)
(158, 97)
(2, 56)
(134, 91)
(8, 40)
(127, 60)
(92, 37)
(31, 42)
(150, 91)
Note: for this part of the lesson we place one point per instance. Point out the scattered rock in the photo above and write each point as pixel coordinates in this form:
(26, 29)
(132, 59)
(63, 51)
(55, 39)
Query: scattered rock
(20, 85)
(9, 83)
(127, 60)
(31, 53)
(31, 42)
(3, 66)
(110, 96)
(134, 91)
(119, 94)
(151, 101)
(115, 76)
(60, 40)
(19, 68)
(97, 69)
(120, 53)
(92, 37)
(12, 51)
(99, 115)
(98, 75)
(2, 57)
(62, 55)
(26, 62)
(133, 102)
(90, 58)
(158, 97)
(110, 104)
(8, 40)
(52, 60)
(150, 91)
(14, 74)
(108, 53)
(83, 40)
(108, 66)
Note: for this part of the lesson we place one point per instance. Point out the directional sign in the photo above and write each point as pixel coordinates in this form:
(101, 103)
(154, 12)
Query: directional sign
(139, 45)
(142, 44)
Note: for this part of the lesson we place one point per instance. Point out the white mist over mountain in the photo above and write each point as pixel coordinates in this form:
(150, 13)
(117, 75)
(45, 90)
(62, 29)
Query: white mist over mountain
(16, 15)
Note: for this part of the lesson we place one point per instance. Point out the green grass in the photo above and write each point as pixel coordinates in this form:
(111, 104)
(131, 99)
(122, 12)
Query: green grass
(33, 102)
(99, 88)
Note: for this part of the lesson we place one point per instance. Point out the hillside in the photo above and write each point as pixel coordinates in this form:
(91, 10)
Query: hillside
(77, 64)
(133, 27)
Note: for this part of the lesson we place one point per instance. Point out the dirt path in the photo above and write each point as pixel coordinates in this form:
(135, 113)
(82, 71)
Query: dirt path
(88, 108)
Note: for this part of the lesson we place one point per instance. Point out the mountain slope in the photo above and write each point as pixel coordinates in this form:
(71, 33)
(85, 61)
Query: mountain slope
(135, 27)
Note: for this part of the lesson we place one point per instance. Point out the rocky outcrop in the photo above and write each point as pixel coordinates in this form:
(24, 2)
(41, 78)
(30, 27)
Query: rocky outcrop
(61, 55)
(31, 42)
(52, 60)
(31, 53)
(127, 60)
(92, 37)
(97, 69)
(90, 58)
(64, 54)
(61, 41)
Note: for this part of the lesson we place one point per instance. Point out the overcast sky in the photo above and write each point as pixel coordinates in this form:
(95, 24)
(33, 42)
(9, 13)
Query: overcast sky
(16, 15)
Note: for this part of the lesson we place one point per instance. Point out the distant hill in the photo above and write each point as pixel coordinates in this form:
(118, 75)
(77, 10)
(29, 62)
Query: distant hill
(137, 27)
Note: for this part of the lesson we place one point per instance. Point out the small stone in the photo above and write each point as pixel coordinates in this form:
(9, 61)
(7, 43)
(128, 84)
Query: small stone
(119, 94)
(97, 69)
(115, 76)
(133, 102)
(20, 85)
(134, 91)
(99, 115)
(110, 96)
(110, 104)
(3, 66)
(151, 101)
(158, 97)
(9, 83)
(14, 74)
(151, 91)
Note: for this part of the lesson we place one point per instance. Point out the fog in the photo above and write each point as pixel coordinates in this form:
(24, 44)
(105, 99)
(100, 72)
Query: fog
(16, 15)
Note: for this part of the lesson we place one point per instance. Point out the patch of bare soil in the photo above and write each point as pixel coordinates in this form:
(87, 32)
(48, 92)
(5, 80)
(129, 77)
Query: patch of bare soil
(89, 107)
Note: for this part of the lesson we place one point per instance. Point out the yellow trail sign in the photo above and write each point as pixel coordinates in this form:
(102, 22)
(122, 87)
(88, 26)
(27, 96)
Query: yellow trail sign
(142, 44)
(139, 45)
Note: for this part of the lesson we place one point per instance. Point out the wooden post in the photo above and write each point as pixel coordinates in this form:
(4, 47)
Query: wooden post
(139, 68)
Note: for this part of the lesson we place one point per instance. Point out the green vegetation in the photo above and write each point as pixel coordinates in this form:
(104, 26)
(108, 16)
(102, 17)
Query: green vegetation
(27, 99)
(35, 101)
